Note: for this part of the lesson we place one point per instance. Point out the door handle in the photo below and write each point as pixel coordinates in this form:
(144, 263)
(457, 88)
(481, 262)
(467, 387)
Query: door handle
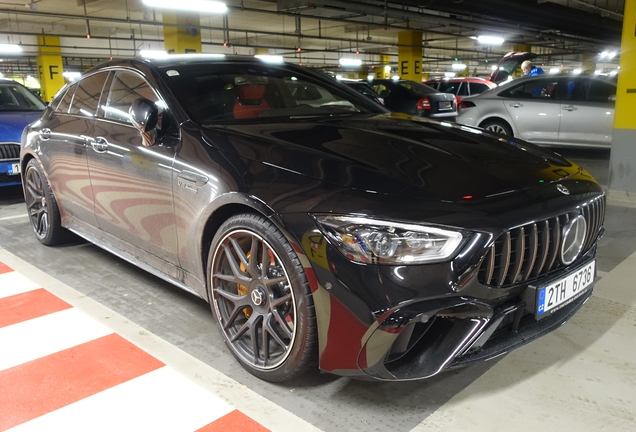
(516, 105)
(569, 108)
(100, 144)
(45, 133)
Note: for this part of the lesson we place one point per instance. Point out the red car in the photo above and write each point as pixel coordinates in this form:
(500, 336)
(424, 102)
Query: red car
(461, 86)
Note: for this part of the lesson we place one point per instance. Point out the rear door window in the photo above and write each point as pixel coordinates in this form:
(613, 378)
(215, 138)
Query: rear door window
(601, 91)
(545, 88)
(476, 88)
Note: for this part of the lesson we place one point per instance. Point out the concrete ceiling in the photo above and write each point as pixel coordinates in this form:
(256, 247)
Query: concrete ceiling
(561, 31)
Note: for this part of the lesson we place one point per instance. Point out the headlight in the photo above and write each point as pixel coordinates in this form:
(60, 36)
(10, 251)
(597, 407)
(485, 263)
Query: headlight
(385, 242)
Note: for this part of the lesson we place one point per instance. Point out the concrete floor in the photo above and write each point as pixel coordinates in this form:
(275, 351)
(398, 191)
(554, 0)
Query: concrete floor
(580, 377)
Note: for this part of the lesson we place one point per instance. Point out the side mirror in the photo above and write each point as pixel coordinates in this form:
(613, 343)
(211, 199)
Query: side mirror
(144, 114)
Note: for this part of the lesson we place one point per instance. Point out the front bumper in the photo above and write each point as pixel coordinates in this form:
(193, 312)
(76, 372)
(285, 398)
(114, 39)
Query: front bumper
(462, 335)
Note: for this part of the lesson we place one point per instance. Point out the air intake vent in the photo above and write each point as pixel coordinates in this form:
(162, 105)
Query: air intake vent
(525, 253)
(9, 151)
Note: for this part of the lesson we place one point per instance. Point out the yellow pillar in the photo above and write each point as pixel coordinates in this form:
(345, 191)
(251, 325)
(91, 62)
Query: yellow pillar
(380, 70)
(622, 179)
(50, 67)
(522, 48)
(261, 51)
(410, 55)
(589, 63)
(183, 39)
(363, 72)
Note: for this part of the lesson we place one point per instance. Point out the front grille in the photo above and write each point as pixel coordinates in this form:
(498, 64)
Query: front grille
(530, 251)
(9, 151)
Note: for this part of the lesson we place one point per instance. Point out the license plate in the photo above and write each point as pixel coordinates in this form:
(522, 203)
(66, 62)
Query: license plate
(13, 169)
(561, 292)
(445, 105)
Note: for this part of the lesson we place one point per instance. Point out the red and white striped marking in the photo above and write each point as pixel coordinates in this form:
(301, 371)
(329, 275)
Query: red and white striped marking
(63, 370)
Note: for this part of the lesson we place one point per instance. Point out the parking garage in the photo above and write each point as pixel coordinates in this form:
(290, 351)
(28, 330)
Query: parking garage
(383, 237)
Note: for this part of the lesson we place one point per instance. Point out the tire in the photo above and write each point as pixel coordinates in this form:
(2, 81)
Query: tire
(42, 207)
(261, 299)
(497, 126)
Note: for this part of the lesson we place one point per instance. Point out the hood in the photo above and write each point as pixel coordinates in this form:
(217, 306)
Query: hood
(396, 154)
(13, 123)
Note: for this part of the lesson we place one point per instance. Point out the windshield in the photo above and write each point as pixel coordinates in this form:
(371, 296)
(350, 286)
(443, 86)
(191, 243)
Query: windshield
(14, 97)
(230, 92)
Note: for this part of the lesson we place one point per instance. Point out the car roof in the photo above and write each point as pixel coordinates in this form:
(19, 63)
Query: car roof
(469, 79)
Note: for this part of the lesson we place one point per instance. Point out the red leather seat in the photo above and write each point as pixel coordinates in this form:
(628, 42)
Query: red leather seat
(249, 101)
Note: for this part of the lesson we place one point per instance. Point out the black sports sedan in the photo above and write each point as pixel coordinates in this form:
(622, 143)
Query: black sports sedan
(415, 98)
(321, 229)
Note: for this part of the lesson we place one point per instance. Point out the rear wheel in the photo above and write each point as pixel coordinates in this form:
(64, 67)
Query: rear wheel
(497, 126)
(261, 299)
(42, 207)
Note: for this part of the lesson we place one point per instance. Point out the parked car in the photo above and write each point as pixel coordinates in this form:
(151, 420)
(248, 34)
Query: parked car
(377, 245)
(461, 86)
(363, 87)
(415, 98)
(18, 108)
(547, 110)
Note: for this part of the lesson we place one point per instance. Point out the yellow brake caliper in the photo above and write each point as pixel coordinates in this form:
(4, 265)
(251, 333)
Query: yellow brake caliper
(242, 290)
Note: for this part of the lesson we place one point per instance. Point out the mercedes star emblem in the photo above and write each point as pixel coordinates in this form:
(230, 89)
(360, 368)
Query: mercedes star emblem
(257, 297)
(573, 239)
(563, 189)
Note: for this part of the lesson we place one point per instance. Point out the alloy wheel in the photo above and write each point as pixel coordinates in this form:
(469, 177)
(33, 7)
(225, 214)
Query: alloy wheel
(253, 299)
(497, 129)
(36, 202)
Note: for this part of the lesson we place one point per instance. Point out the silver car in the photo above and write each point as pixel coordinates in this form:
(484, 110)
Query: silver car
(547, 110)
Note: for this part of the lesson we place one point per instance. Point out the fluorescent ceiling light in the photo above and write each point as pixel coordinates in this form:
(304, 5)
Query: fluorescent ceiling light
(576, 71)
(198, 56)
(10, 49)
(554, 70)
(395, 77)
(493, 67)
(270, 58)
(350, 62)
(71, 75)
(490, 40)
(153, 54)
(449, 74)
(338, 77)
(191, 5)
(387, 68)
(458, 66)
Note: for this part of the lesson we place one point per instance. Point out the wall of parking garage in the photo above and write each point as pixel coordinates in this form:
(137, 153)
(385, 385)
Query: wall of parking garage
(622, 181)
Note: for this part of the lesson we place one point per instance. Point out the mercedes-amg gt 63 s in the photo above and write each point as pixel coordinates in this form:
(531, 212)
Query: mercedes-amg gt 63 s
(323, 230)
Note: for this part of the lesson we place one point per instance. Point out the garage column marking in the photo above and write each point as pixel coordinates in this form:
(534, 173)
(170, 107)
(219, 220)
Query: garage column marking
(622, 180)
(410, 55)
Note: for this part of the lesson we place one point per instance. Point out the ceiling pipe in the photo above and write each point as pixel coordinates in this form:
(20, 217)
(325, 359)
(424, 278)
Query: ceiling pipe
(363, 8)
(605, 13)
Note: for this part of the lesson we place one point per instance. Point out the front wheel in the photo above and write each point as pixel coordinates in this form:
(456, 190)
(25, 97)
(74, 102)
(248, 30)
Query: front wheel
(261, 298)
(42, 207)
(497, 126)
